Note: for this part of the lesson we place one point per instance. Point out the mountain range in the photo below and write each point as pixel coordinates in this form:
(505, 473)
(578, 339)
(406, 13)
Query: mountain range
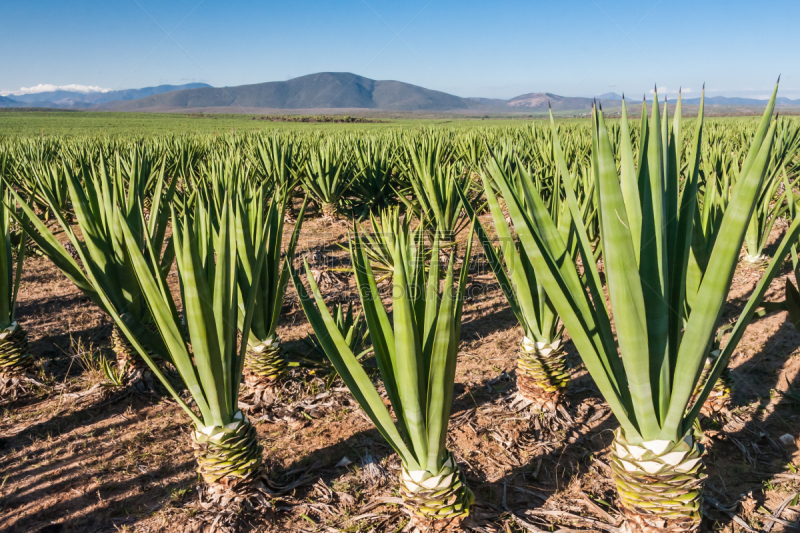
(332, 91)
(76, 99)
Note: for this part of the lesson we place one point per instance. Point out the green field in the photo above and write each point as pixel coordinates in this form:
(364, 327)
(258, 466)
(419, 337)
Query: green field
(94, 123)
(30, 123)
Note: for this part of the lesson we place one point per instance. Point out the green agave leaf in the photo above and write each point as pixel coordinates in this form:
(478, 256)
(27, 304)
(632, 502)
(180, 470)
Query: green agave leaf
(750, 308)
(630, 185)
(562, 283)
(348, 367)
(197, 299)
(408, 354)
(166, 319)
(625, 289)
(714, 289)
(493, 257)
(442, 373)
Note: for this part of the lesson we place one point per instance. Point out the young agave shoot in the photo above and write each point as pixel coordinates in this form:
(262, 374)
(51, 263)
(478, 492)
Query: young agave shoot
(416, 356)
(647, 371)
(210, 362)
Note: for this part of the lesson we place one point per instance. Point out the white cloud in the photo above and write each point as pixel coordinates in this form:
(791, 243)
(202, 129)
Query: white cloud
(47, 87)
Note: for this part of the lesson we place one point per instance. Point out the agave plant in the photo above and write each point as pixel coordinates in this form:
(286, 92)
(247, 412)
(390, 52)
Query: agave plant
(30, 174)
(717, 404)
(379, 243)
(265, 361)
(648, 371)
(542, 373)
(435, 182)
(372, 188)
(327, 177)
(769, 209)
(471, 150)
(15, 358)
(771, 204)
(716, 382)
(105, 264)
(210, 361)
(416, 356)
(715, 188)
(277, 162)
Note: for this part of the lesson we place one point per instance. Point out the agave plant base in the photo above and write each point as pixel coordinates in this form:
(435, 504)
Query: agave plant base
(14, 355)
(228, 458)
(264, 362)
(542, 375)
(15, 360)
(755, 259)
(439, 501)
(265, 368)
(329, 213)
(131, 370)
(659, 483)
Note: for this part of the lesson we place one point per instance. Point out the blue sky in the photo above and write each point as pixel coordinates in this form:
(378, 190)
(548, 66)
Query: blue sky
(495, 49)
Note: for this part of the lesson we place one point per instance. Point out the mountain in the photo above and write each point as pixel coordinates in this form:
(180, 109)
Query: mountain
(314, 91)
(8, 102)
(725, 101)
(542, 101)
(342, 91)
(79, 99)
(609, 96)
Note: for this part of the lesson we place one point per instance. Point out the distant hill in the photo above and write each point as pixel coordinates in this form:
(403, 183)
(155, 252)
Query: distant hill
(315, 91)
(541, 101)
(609, 96)
(71, 99)
(740, 102)
(343, 91)
(8, 102)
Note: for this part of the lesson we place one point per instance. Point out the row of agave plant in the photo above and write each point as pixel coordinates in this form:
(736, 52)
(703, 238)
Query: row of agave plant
(358, 173)
(659, 207)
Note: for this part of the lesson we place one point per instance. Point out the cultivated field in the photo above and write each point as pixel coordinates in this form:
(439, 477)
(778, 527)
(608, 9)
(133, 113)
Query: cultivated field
(214, 253)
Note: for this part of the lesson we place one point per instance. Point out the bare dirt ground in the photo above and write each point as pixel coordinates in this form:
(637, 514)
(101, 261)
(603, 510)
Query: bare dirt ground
(114, 462)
